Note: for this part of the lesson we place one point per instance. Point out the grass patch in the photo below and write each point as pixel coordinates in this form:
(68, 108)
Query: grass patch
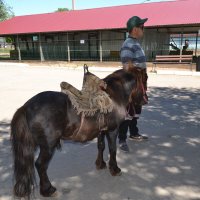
(4, 50)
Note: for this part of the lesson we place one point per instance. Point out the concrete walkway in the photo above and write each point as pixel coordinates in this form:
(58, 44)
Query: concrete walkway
(166, 167)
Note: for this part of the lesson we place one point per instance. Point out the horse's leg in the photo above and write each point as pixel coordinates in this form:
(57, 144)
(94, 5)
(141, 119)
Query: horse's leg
(114, 169)
(46, 153)
(100, 163)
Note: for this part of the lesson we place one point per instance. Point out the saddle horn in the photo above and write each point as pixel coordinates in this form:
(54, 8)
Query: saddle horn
(85, 67)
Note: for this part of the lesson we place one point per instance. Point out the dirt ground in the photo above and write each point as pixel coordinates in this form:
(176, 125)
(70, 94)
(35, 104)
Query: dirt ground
(165, 167)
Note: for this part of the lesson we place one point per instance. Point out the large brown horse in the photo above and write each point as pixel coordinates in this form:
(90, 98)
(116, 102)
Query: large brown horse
(47, 118)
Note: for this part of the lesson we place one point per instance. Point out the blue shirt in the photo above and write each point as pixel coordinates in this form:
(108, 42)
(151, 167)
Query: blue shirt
(131, 51)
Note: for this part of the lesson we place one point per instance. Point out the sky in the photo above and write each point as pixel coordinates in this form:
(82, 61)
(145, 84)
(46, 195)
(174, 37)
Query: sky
(28, 7)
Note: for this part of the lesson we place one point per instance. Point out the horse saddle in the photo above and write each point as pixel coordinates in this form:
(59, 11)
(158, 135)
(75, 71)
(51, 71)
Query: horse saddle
(91, 98)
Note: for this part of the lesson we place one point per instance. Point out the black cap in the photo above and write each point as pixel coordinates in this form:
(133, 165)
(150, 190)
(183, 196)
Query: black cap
(135, 21)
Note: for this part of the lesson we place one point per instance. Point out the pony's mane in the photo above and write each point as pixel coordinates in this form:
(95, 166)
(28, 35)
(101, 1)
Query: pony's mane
(118, 84)
(114, 75)
(119, 76)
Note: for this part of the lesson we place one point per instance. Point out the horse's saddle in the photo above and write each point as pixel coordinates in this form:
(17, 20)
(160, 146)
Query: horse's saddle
(92, 98)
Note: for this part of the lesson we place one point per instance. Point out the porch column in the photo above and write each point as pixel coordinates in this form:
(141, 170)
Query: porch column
(100, 47)
(68, 48)
(18, 49)
(196, 44)
(181, 46)
(40, 49)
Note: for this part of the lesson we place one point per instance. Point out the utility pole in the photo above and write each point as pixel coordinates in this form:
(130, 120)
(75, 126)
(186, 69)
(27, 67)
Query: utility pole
(145, 1)
(73, 4)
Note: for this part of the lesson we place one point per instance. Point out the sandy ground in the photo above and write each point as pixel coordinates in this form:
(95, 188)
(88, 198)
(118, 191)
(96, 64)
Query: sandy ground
(166, 167)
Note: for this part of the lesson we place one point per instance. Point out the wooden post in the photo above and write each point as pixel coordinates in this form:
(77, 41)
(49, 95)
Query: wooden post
(100, 47)
(181, 46)
(18, 49)
(40, 49)
(196, 44)
(68, 49)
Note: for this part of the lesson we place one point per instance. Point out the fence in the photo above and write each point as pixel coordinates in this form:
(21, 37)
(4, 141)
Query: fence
(73, 50)
(106, 49)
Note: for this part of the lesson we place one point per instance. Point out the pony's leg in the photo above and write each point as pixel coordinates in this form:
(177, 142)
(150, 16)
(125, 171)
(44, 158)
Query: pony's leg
(114, 169)
(42, 162)
(100, 163)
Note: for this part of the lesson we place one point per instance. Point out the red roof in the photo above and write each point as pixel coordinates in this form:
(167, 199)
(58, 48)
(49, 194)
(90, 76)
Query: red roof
(159, 13)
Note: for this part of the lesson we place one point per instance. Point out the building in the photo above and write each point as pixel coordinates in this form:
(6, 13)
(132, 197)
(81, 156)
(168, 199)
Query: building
(97, 34)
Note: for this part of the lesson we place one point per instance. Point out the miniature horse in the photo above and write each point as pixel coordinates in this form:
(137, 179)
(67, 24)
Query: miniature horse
(49, 117)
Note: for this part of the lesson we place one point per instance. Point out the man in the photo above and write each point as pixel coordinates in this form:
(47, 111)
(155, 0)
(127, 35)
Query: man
(186, 45)
(131, 52)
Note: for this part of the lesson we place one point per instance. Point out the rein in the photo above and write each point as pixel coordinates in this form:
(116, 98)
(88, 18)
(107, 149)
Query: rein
(143, 90)
(139, 76)
(140, 82)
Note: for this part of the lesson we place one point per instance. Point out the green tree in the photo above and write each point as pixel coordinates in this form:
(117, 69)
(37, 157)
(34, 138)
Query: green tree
(62, 9)
(9, 40)
(5, 11)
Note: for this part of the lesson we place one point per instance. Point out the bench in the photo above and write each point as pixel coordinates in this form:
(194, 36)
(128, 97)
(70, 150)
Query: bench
(114, 54)
(172, 59)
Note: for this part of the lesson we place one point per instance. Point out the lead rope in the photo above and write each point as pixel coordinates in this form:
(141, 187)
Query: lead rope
(144, 92)
(128, 116)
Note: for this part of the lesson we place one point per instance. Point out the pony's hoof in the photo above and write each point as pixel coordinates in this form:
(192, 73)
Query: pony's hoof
(51, 192)
(55, 194)
(116, 172)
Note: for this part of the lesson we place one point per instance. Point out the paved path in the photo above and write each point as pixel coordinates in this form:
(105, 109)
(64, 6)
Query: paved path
(166, 167)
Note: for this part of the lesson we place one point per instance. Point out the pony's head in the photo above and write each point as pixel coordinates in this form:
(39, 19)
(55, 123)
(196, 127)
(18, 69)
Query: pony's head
(125, 87)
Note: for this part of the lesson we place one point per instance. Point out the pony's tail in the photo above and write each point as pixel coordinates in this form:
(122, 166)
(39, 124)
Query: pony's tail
(23, 155)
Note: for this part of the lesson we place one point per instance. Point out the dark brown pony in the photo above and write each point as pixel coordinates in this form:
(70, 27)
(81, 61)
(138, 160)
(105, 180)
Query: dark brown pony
(47, 118)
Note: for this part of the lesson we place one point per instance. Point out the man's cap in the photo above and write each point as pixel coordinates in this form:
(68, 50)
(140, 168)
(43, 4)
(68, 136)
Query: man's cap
(135, 21)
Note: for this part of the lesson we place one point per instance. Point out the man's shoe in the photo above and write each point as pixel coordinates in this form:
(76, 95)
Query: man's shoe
(138, 137)
(124, 147)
